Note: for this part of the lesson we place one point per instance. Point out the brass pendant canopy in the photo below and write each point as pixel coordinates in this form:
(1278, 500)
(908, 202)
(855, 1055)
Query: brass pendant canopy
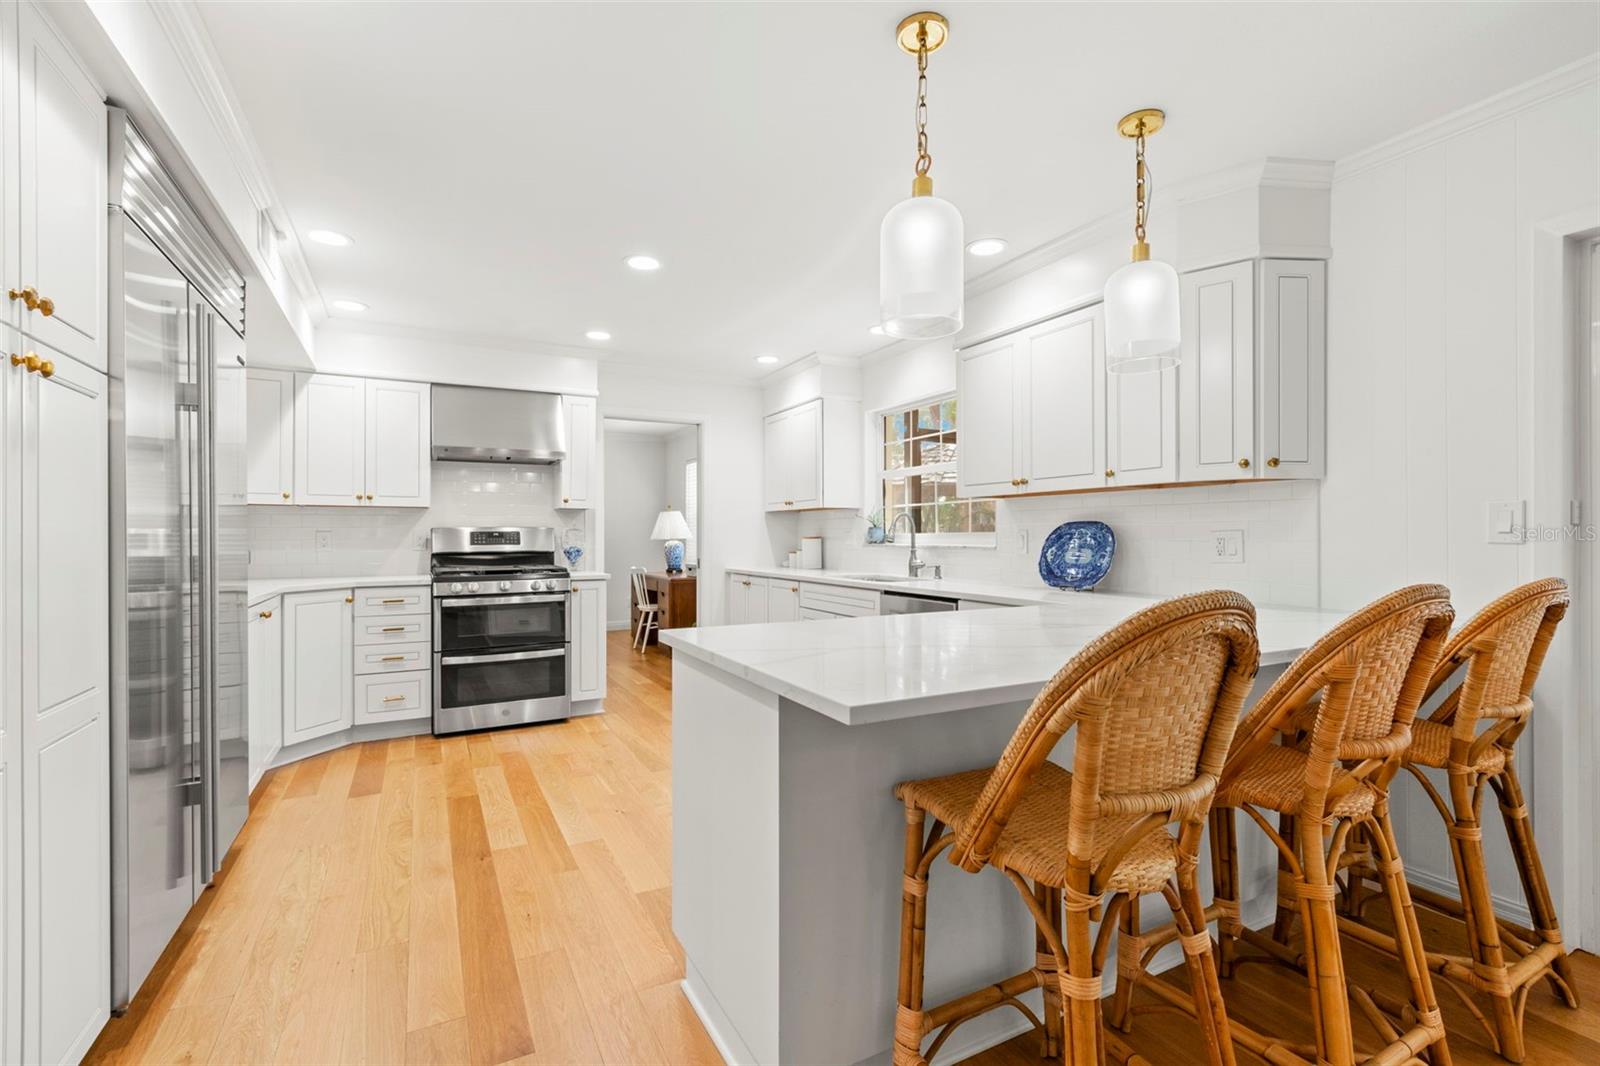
(938, 30)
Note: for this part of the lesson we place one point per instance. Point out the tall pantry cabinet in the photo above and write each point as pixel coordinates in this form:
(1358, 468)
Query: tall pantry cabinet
(55, 878)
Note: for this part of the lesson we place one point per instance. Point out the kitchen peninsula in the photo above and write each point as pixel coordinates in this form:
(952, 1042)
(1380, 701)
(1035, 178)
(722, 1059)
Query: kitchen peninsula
(787, 739)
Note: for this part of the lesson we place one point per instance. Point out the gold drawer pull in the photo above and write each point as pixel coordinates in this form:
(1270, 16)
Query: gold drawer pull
(266, 614)
(393, 659)
(29, 297)
(47, 306)
(1244, 464)
(1111, 473)
(349, 599)
(286, 495)
(392, 629)
(394, 699)
(1273, 461)
(401, 599)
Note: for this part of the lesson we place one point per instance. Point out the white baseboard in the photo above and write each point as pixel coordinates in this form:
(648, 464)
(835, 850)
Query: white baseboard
(624, 624)
(1510, 909)
(729, 1045)
(345, 737)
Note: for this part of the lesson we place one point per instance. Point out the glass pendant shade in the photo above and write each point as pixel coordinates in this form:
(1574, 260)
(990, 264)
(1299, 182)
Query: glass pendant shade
(1142, 318)
(920, 269)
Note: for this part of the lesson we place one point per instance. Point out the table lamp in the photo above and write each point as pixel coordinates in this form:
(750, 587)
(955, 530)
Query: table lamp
(671, 528)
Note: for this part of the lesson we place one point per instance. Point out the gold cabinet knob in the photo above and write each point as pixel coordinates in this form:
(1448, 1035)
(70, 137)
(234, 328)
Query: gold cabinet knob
(266, 614)
(1273, 461)
(33, 363)
(1244, 464)
(358, 495)
(1023, 481)
(29, 297)
(349, 599)
(566, 499)
(369, 495)
(286, 495)
(17, 360)
(794, 588)
(47, 306)
(47, 369)
(1111, 473)
(1014, 481)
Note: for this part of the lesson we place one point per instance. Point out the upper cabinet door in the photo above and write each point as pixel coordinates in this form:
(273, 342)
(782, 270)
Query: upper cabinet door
(1216, 379)
(1142, 428)
(774, 464)
(63, 196)
(577, 470)
(269, 436)
(399, 461)
(330, 440)
(802, 444)
(1062, 395)
(987, 460)
(1293, 376)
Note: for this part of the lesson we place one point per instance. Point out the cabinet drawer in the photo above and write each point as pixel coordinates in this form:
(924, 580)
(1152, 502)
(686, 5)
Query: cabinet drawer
(392, 658)
(394, 697)
(401, 629)
(836, 599)
(412, 599)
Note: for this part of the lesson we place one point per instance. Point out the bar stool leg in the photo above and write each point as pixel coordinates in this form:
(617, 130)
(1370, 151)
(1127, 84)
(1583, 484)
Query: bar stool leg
(1045, 962)
(1407, 932)
(1189, 911)
(1128, 968)
(1283, 920)
(913, 945)
(1330, 1007)
(1519, 828)
(1483, 932)
(1225, 886)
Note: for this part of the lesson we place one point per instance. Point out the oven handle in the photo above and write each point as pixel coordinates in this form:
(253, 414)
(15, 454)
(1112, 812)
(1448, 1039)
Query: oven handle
(491, 601)
(507, 657)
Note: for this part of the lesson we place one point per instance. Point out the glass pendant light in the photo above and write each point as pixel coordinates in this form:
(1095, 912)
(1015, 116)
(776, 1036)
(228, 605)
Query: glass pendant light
(920, 270)
(1142, 298)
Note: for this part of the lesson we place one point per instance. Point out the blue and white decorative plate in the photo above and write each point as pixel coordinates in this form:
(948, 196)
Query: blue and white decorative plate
(1077, 555)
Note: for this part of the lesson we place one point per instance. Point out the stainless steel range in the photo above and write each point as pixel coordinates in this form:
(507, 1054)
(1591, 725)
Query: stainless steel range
(501, 628)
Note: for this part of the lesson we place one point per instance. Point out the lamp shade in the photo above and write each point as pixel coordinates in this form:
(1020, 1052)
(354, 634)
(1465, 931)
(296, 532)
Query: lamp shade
(1142, 317)
(920, 269)
(670, 526)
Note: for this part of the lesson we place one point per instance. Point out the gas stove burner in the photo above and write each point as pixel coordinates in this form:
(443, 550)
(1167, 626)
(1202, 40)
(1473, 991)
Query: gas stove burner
(496, 561)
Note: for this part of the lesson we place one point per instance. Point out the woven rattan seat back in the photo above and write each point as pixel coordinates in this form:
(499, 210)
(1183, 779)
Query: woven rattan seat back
(1503, 647)
(1156, 700)
(1364, 680)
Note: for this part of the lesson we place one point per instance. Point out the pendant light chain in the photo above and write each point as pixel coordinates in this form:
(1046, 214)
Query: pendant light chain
(1141, 205)
(924, 160)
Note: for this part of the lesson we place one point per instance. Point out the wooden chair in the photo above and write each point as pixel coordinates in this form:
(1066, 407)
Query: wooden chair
(1155, 702)
(1319, 750)
(649, 610)
(1501, 650)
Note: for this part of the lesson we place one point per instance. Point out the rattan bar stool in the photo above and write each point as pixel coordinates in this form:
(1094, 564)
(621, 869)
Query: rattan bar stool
(1155, 701)
(1319, 750)
(1502, 649)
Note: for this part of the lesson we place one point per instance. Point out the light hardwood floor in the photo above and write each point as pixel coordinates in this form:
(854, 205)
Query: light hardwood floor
(504, 897)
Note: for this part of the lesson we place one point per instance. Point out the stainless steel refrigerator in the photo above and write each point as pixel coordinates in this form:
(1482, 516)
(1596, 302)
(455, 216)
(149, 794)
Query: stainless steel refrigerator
(179, 734)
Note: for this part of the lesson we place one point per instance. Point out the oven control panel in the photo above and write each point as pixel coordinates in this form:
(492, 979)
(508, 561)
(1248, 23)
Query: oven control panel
(498, 537)
(502, 587)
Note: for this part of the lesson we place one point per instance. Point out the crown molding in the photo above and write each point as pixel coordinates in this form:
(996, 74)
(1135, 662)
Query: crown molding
(490, 341)
(186, 32)
(1581, 74)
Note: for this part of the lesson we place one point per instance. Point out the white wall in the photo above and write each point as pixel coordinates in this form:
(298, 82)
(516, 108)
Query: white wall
(635, 492)
(680, 447)
(1448, 387)
(396, 353)
(733, 528)
(392, 540)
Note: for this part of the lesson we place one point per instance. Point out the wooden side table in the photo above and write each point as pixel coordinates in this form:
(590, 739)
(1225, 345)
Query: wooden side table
(677, 596)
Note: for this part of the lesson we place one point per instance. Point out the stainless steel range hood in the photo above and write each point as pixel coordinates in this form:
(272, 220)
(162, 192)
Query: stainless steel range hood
(498, 425)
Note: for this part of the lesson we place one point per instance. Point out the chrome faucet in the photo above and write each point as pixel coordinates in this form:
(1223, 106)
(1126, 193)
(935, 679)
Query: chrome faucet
(914, 563)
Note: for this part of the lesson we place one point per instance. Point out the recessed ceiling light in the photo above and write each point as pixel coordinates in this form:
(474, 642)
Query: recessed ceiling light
(643, 262)
(876, 331)
(987, 246)
(598, 335)
(329, 237)
(349, 305)
(766, 360)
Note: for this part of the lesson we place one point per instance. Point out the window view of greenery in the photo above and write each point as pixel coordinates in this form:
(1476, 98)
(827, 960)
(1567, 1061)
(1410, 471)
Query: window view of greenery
(919, 472)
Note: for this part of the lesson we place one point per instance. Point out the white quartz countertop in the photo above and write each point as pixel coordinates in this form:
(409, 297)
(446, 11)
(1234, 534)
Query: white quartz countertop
(948, 588)
(863, 670)
(267, 587)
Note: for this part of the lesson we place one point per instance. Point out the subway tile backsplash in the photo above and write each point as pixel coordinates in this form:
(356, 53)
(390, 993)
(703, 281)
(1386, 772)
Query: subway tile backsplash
(1165, 540)
(364, 541)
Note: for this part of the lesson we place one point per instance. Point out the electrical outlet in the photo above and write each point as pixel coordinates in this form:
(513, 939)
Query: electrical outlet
(324, 540)
(1022, 541)
(1227, 545)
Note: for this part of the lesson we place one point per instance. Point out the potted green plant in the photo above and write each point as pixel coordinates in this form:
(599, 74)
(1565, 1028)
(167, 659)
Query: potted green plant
(875, 533)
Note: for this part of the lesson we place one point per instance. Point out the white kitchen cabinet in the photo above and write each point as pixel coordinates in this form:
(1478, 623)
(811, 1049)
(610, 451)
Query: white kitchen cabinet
(1216, 379)
(1291, 386)
(62, 132)
(588, 637)
(330, 440)
(1252, 382)
(812, 456)
(1033, 409)
(269, 436)
(401, 697)
(578, 469)
(783, 600)
(65, 705)
(746, 599)
(265, 621)
(1141, 428)
(398, 453)
(318, 667)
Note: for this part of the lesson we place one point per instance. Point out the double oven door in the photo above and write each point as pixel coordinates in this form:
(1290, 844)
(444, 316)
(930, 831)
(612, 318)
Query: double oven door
(500, 660)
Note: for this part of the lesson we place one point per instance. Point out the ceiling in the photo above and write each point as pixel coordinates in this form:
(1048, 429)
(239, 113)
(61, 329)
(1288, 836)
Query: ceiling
(495, 162)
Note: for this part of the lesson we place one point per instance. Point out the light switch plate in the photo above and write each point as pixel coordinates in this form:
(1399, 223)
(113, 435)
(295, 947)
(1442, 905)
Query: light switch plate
(1504, 521)
(1228, 545)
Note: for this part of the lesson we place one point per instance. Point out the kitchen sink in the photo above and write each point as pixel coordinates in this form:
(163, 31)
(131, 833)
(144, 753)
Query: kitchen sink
(886, 579)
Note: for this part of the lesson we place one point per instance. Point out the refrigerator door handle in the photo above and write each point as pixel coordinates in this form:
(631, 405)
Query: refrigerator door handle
(202, 325)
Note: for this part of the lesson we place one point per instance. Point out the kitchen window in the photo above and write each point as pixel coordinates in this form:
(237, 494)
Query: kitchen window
(917, 458)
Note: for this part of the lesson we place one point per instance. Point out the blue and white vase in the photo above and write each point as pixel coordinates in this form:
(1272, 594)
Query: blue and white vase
(674, 555)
